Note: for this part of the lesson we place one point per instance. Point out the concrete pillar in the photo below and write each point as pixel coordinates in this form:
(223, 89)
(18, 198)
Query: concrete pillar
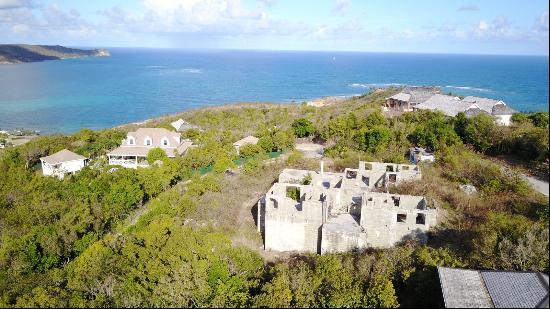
(259, 214)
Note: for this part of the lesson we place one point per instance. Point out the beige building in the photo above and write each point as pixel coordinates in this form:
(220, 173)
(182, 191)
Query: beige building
(322, 212)
(245, 141)
(136, 146)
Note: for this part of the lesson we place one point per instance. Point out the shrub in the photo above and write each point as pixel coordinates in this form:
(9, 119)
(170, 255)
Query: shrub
(250, 150)
(303, 127)
(156, 154)
(434, 132)
(293, 193)
(477, 131)
(373, 140)
(222, 164)
(539, 119)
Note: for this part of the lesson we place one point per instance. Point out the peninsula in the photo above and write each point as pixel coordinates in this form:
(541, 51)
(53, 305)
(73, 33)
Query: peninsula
(20, 53)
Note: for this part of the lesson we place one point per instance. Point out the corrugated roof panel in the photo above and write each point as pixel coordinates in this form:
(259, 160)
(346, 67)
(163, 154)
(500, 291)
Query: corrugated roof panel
(463, 288)
(515, 289)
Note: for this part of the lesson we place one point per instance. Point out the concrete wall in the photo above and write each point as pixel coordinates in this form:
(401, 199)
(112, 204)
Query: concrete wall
(334, 241)
(341, 234)
(503, 120)
(379, 218)
(292, 225)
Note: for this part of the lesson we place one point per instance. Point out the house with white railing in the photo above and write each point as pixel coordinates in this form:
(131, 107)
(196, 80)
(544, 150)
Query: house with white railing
(136, 146)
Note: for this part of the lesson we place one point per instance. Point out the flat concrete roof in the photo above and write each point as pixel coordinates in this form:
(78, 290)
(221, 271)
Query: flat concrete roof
(343, 223)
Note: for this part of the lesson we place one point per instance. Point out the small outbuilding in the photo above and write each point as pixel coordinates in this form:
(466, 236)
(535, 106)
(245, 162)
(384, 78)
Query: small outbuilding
(245, 141)
(418, 154)
(62, 162)
(181, 125)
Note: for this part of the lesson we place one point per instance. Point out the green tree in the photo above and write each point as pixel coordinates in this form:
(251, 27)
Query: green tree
(539, 119)
(303, 127)
(374, 139)
(156, 154)
(250, 150)
(380, 294)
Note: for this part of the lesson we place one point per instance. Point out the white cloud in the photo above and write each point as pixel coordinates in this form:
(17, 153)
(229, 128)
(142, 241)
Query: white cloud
(541, 23)
(341, 6)
(468, 7)
(12, 4)
(499, 27)
(21, 29)
(267, 2)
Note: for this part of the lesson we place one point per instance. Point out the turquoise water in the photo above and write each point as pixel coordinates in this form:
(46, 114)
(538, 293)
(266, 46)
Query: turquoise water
(137, 84)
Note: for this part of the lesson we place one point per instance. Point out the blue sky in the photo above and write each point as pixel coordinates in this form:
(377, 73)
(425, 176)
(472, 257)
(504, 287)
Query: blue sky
(473, 27)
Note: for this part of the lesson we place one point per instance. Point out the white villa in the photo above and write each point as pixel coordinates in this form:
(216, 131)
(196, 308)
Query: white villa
(62, 162)
(417, 98)
(245, 141)
(135, 147)
(497, 108)
(471, 106)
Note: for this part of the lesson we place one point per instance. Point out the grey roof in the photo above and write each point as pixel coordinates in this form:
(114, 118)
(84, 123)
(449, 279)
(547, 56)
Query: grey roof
(182, 125)
(500, 289)
(491, 106)
(449, 105)
(501, 109)
(517, 289)
(420, 94)
(62, 156)
(405, 97)
(474, 111)
(463, 288)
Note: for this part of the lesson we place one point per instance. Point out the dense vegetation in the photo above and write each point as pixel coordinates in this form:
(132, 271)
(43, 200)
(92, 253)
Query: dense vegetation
(167, 236)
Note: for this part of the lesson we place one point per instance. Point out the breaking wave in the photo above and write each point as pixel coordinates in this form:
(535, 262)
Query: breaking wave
(469, 88)
(358, 85)
(192, 70)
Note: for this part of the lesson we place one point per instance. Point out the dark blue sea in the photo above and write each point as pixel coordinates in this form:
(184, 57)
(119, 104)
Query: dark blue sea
(137, 84)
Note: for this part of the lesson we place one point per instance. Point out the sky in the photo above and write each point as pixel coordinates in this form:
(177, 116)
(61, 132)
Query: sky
(420, 26)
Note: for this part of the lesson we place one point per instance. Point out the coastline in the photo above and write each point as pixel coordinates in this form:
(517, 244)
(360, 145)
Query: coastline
(316, 102)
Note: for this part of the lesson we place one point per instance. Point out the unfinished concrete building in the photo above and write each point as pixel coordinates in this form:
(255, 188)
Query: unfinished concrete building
(325, 212)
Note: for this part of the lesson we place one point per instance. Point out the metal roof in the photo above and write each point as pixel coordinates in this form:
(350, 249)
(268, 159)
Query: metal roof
(405, 97)
(516, 289)
(449, 105)
(500, 289)
(463, 288)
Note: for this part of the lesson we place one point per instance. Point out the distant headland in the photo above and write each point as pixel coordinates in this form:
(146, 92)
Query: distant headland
(20, 53)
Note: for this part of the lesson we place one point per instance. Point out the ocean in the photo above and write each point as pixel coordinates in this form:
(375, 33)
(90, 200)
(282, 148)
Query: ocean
(137, 84)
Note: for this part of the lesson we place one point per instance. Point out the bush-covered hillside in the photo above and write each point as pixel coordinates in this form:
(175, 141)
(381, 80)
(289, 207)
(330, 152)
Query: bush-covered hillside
(171, 236)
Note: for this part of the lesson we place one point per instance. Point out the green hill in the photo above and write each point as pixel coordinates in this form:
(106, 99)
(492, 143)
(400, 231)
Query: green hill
(19, 53)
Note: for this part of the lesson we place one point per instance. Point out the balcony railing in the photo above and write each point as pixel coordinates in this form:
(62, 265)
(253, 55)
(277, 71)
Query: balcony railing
(128, 163)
